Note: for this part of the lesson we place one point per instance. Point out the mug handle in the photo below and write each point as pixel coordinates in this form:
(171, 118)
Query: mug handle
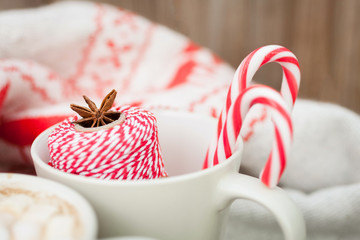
(235, 185)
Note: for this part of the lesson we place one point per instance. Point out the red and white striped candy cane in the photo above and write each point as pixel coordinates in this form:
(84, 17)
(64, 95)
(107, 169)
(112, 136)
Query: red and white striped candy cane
(244, 75)
(280, 115)
(129, 150)
(247, 69)
(258, 58)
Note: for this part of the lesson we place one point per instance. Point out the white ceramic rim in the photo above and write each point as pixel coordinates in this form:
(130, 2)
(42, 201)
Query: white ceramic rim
(166, 180)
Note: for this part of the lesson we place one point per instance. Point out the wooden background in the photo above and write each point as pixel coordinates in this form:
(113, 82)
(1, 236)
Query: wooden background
(323, 34)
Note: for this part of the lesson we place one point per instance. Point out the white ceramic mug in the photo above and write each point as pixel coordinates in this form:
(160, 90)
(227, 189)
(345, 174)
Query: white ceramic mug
(191, 204)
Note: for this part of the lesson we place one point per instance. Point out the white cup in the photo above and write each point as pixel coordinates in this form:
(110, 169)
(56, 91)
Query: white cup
(32, 207)
(191, 204)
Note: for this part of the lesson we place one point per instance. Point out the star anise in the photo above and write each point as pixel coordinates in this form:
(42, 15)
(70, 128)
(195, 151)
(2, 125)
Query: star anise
(94, 117)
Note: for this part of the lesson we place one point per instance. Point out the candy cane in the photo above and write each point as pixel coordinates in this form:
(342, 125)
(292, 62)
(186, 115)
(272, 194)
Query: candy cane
(243, 77)
(258, 58)
(129, 150)
(246, 71)
(273, 101)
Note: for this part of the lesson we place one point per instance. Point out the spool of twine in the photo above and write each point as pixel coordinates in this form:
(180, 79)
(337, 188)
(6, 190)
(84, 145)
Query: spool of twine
(126, 149)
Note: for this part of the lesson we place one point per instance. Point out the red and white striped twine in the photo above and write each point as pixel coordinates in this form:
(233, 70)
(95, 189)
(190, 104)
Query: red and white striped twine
(222, 146)
(129, 150)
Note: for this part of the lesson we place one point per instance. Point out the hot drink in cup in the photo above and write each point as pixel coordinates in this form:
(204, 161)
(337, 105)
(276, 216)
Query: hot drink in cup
(37, 209)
